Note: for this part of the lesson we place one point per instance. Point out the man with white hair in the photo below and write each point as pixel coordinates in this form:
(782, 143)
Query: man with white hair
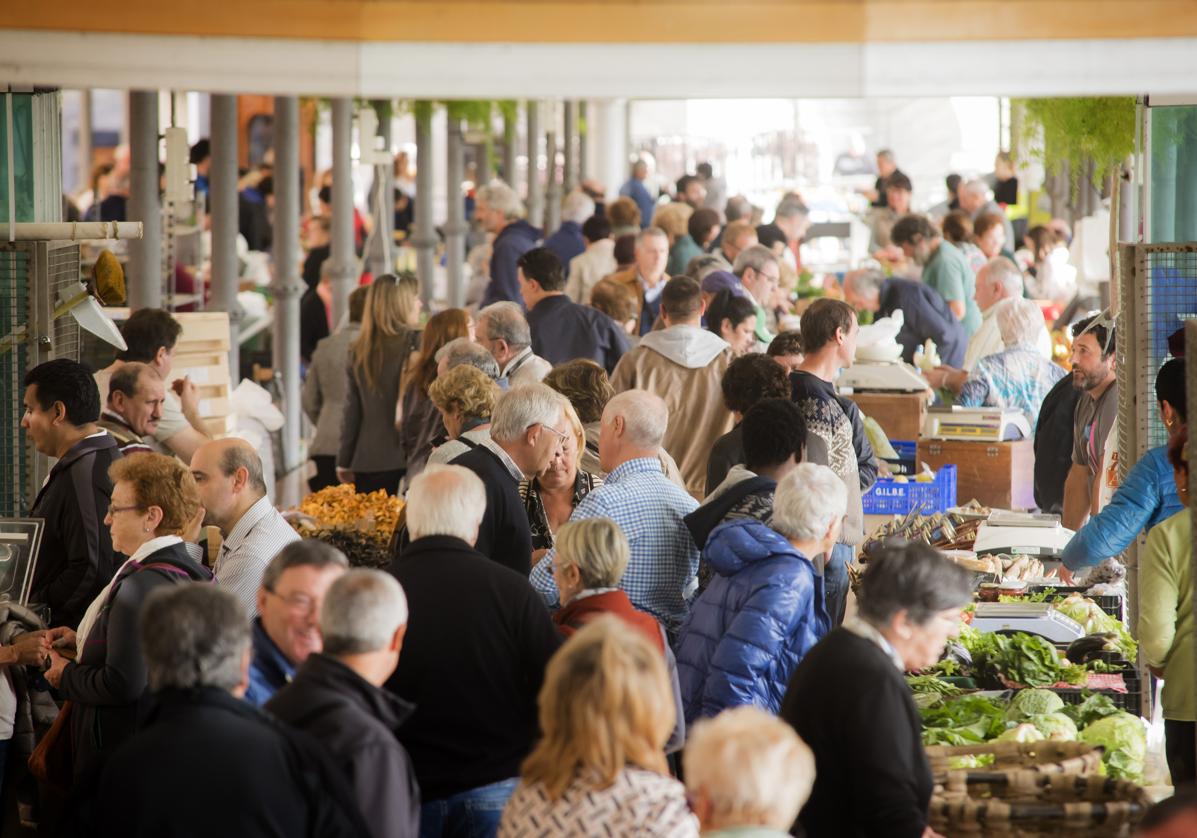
(1018, 377)
(567, 241)
(500, 212)
(473, 664)
(662, 570)
(526, 431)
(504, 331)
(337, 698)
(975, 200)
(759, 272)
(998, 282)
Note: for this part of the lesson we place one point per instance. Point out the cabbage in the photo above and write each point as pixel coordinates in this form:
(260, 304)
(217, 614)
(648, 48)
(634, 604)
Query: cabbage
(1033, 703)
(1021, 733)
(1055, 726)
(1125, 743)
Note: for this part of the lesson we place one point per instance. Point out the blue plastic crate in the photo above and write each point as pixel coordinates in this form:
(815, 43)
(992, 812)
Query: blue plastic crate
(906, 461)
(888, 497)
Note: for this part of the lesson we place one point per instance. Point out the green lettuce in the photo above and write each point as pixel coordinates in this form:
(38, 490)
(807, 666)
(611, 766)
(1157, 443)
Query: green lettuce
(1125, 743)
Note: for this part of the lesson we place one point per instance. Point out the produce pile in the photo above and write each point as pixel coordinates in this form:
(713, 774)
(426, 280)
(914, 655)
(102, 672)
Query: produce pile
(358, 524)
(1034, 715)
(1018, 659)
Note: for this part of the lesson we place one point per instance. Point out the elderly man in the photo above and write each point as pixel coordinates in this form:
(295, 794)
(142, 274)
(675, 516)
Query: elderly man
(504, 331)
(925, 314)
(683, 364)
(1018, 377)
(336, 697)
(598, 260)
(735, 238)
(499, 211)
(61, 408)
(759, 271)
(259, 780)
(661, 573)
(945, 267)
(975, 200)
(561, 329)
(526, 430)
(474, 663)
(644, 196)
(287, 630)
(999, 282)
(232, 489)
(646, 278)
(151, 335)
(567, 241)
(464, 351)
(134, 407)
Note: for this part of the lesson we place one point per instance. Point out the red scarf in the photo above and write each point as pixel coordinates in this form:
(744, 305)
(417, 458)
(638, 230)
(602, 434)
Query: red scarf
(579, 612)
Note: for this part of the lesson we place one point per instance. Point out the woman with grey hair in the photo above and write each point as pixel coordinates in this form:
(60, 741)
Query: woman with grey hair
(764, 609)
(1018, 377)
(849, 701)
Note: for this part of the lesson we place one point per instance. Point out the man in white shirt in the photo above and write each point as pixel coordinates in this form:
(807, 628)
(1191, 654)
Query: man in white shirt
(504, 331)
(228, 474)
(998, 282)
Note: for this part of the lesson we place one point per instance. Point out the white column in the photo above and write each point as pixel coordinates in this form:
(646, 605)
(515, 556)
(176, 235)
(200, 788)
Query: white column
(607, 142)
(342, 252)
(535, 200)
(423, 237)
(455, 226)
(145, 254)
(222, 207)
(287, 286)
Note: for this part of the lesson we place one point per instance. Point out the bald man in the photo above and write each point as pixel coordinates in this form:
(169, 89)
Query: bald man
(232, 489)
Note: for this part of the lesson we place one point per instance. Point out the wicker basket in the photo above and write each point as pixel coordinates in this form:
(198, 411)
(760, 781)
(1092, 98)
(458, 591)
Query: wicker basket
(1039, 805)
(1046, 757)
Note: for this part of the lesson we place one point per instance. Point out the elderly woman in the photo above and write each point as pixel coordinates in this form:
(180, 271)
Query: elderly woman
(1166, 620)
(1018, 377)
(551, 496)
(747, 774)
(154, 504)
(586, 385)
(466, 397)
(605, 713)
(849, 701)
(763, 611)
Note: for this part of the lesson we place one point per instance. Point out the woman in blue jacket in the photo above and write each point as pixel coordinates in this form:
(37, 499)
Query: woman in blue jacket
(1148, 494)
(764, 609)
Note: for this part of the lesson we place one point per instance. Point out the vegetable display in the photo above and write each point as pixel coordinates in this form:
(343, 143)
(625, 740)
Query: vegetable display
(1125, 743)
(1027, 703)
(965, 720)
(1095, 621)
(1019, 659)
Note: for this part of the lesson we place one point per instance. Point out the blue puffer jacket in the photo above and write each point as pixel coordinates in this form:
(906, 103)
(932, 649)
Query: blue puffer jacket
(1146, 497)
(752, 625)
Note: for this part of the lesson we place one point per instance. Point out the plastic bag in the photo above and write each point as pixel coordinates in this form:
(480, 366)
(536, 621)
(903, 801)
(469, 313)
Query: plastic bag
(1155, 766)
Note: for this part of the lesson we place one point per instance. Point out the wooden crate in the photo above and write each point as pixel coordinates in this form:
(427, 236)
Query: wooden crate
(997, 474)
(900, 415)
(202, 353)
(203, 330)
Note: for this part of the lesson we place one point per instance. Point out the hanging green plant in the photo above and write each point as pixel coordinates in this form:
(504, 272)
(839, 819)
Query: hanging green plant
(421, 109)
(509, 109)
(475, 113)
(1075, 131)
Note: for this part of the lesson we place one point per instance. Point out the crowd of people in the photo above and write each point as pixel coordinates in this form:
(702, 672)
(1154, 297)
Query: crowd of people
(618, 599)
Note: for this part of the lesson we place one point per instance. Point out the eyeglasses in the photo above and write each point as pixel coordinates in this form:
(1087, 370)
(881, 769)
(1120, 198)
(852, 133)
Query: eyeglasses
(560, 436)
(112, 510)
(296, 603)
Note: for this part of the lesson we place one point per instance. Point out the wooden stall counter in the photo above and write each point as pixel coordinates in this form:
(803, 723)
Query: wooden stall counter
(900, 415)
(1000, 475)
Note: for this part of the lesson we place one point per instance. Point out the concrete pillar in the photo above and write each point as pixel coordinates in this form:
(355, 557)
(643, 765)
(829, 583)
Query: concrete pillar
(145, 254)
(343, 255)
(510, 152)
(423, 235)
(382, 193)
(288, 285)
(552, 188)
(222, 207)
(84, 149)
(607, 124)
(583, 141)
(570, 137)
(535, 200)
(455, 226)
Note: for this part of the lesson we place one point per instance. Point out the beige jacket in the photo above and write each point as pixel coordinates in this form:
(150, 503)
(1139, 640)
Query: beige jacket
(684, 365)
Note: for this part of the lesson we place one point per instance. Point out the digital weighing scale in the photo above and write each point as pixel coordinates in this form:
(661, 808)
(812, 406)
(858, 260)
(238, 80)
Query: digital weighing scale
(1032, 617)
(976, 424)
(883, 377)
(1042, 539)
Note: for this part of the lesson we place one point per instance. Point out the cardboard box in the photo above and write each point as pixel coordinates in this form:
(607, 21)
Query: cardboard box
(900, 415)
(999, 475)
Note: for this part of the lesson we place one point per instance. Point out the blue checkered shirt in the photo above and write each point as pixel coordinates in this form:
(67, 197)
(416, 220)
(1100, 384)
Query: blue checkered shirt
(663, 565)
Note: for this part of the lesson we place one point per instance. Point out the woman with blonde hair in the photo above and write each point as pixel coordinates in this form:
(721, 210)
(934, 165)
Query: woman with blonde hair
(465, 397)
(155, 506)
(416, 417)
(551, 497)
(599, 769)
(371, 456)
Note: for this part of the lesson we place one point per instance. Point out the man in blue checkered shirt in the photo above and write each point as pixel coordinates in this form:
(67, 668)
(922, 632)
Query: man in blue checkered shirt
(661, 576)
